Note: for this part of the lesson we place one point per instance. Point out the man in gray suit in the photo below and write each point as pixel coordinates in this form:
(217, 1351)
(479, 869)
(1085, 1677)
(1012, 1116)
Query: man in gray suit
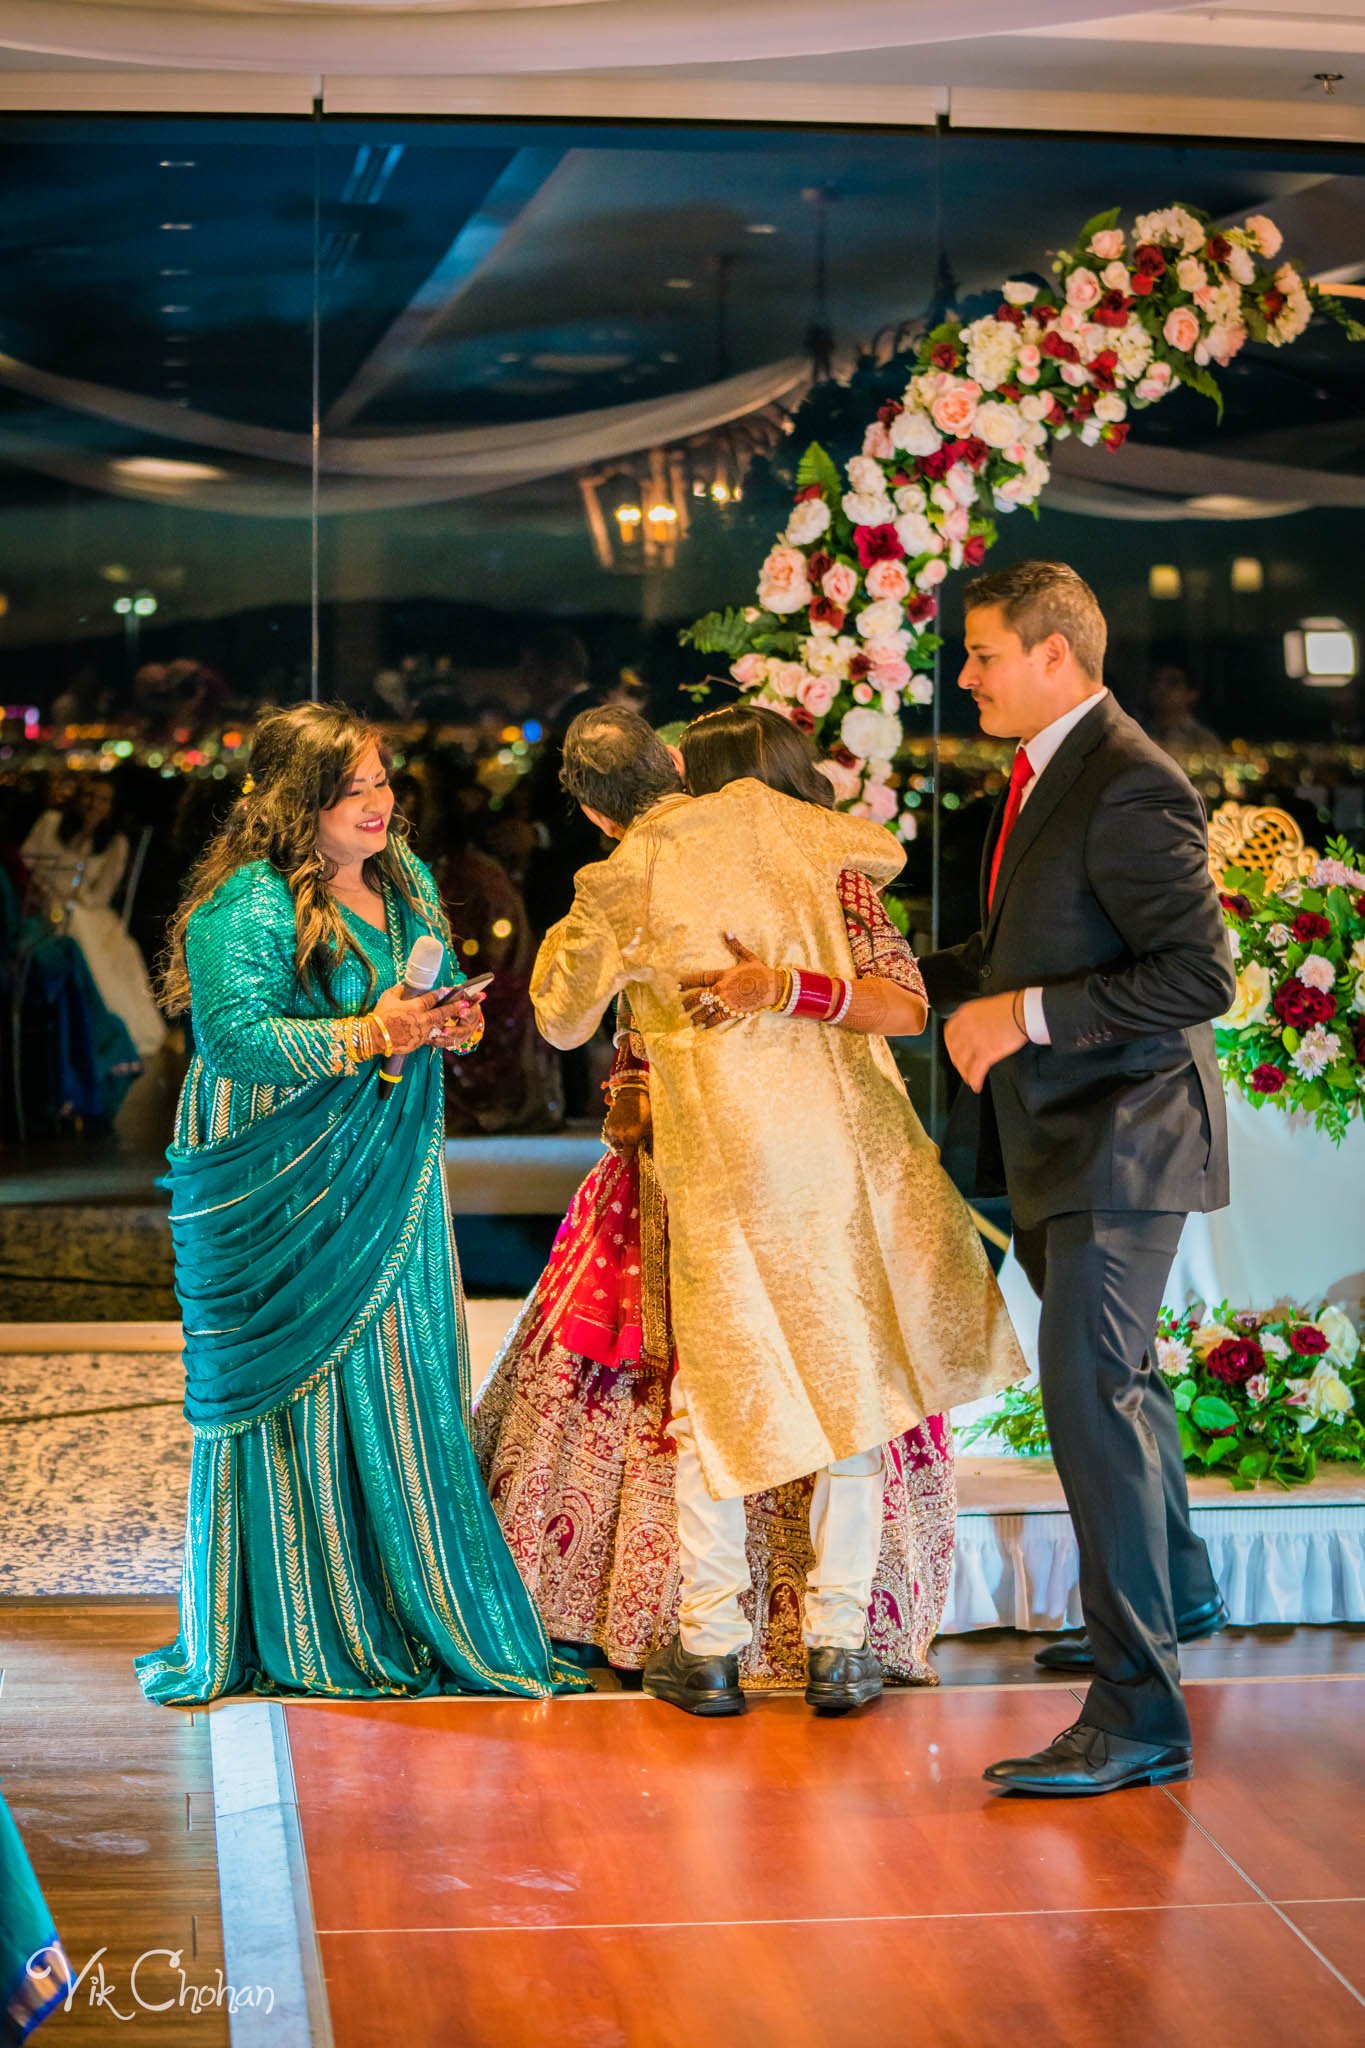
(1079, 1015)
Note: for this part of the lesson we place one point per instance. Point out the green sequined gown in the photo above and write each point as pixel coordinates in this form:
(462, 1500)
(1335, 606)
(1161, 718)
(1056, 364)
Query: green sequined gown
(339, 1539)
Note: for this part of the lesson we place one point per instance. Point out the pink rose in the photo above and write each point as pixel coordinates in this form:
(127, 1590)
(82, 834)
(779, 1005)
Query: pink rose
(1107, 244)
(786, 677)
(880, 802)
(955, 409)
(933, 572)
(749, 670)
(817, 694)
(888, 579)
(1083, 289)
(957, 524)
(1182, 329)
(839, 584)
(1156, 382)
(877, 441)
(863, 693)
(782, 584)
(891, 675)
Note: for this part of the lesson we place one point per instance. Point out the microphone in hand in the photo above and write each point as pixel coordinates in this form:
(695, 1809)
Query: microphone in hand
(419, 978)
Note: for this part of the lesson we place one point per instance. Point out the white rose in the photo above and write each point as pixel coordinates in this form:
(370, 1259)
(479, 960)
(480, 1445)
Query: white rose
(961, 482)
(874, 622)
(865, 474)
(917, 536)
(1017, 294)
(1343, 1338)
(869, 508)
(1268, 237)
(870, 733)
(1240, 265)
(914, 433)
(997, 424)
(829, 657)
(1035, 407)
(910, 497)
(1252, 999)
(1110, 408)
(1115, 277)
(1107, 243)
(808, 521)
(1190, 274)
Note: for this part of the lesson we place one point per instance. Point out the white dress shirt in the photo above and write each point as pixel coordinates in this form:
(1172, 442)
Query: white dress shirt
(1040, 750)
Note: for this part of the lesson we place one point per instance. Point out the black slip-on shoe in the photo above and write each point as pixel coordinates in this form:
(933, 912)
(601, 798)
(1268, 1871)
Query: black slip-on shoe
(699, 1685)
(840, 1680)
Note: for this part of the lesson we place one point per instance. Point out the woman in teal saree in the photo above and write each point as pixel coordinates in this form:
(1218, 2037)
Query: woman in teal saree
(339, 1539)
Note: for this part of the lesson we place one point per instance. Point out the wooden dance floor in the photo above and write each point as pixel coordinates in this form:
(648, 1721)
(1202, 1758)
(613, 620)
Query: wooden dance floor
(604, 1871)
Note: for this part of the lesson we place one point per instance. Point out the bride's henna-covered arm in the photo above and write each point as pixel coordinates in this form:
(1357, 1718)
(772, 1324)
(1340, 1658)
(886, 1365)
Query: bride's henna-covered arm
(883, 1009)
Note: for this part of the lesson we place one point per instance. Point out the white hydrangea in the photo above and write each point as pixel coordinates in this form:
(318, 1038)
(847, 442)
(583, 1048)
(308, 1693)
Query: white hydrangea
(869, 508)
(991, 349)
(866, 475)
(875, 735)
(1133, 347)
(1170, 227)
(874, 622)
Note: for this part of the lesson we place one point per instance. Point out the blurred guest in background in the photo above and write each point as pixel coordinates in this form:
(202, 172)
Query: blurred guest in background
(78, 856)
(1170, 713)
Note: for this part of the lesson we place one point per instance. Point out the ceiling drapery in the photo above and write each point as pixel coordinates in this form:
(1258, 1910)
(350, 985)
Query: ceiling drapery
(463, 37)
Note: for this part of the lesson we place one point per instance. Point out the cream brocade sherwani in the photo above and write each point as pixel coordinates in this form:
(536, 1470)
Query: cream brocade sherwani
(828, 1287)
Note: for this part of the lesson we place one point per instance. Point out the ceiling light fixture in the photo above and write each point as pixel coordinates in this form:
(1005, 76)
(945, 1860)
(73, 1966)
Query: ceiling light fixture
(177, 163)
(1164, 580)
(679, 284)
(761, 227)
(176, 227)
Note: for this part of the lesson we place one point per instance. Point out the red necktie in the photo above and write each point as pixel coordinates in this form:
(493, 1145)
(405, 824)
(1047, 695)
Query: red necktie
(1021, 774)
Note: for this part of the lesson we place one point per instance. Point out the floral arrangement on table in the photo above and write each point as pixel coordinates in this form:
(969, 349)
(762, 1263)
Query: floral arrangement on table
(1295, 1034)
(842, 636)
(1259, 1394)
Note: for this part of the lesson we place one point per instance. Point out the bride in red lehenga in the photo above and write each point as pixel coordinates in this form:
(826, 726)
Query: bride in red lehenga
(571, 1428)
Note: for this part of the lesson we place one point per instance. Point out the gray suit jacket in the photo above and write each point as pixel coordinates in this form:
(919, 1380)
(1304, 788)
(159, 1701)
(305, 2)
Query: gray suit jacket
(1104, 898)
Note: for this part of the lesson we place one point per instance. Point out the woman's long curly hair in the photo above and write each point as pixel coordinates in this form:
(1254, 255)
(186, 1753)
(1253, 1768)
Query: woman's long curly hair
(302, 760)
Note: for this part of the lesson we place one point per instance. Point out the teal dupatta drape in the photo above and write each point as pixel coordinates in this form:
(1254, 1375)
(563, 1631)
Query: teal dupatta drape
(339, 1539)
(34, 1973)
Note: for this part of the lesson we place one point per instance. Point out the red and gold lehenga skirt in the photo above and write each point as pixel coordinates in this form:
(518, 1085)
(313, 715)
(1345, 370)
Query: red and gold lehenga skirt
(571, 1430)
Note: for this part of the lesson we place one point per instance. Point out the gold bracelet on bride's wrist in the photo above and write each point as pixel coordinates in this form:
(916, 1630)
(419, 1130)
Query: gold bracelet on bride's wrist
(380, 1030)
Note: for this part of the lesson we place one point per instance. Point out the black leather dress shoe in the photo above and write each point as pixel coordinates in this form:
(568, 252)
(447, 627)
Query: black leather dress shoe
(1084, 1761)
(840, 1680)
(699, 1685)
(1073, 1653)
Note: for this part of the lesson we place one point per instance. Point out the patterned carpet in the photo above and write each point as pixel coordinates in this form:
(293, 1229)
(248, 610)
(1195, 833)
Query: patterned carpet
(94, 1465)
(86, 1262)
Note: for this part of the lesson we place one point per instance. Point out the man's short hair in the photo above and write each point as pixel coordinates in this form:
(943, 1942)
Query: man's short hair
(1038, 598)
(615, 763)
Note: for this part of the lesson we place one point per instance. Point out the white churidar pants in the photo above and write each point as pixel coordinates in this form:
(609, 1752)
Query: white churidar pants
(846, 1531)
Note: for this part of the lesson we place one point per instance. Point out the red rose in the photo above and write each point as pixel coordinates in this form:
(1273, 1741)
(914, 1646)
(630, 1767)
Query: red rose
(892, 410)
(1013, 316)
(1294, 1002)
(919, 606)
(1274, 303)
(1115, 434)
(809, 491)
(859, 666)
(974, 550)
(1268, 1080)
(945, 357)
(819, 564)
(1112, 310)
(1057, 416)
(1240, 906)
(1104, 368)
(936, 466)
(1142, 284)
(1082, 405)
(900, 479)
(1057, 345)
(800, 718)
(843, 755)
(1044, 312)
(1358, 1033)
(1310, 925)
(1307, 1340)
(1218, 247)
(825, 612)
(1235, 1360)
(878, 544)
(1148, 261)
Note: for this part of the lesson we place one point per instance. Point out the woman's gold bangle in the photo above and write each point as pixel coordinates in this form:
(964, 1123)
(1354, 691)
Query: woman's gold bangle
(381, 1031)
(784, 994)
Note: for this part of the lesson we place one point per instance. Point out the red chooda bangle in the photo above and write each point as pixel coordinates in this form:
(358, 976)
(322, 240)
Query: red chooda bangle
(816, 998)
